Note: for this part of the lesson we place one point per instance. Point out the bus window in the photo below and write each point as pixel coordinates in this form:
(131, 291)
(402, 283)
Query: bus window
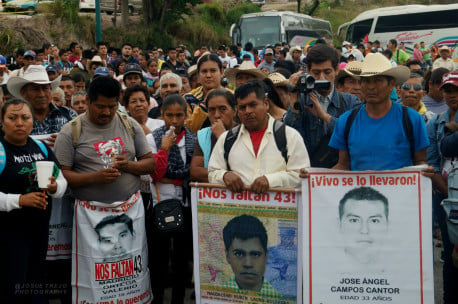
(260, 30)
(417, 21)
(358, 30)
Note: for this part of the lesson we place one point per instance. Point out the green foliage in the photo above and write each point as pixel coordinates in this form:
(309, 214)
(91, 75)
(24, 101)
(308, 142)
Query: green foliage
(145, 37)
(233, 14)
(65, 9)
(8, 42)
(211, 12)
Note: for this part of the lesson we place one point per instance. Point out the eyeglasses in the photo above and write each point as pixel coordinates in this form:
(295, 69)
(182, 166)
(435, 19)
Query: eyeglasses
(407, 86)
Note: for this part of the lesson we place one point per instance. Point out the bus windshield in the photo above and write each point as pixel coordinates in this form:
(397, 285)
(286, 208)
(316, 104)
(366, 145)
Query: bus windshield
(260, 30)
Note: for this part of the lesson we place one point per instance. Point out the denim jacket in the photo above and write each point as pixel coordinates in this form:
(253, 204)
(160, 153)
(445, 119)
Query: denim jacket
(435, 128)
(312, 128)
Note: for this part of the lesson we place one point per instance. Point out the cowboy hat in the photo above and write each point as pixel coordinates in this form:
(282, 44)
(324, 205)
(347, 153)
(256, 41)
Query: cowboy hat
(295, 49)
(97, 59)
(246, 67)
(34, 74)
(375, 64)
(444, 48)
(351, 69)
(278, 79)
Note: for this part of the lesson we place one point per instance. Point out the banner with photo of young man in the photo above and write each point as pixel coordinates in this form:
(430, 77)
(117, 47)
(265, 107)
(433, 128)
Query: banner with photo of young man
(367, 237)
(246, 246)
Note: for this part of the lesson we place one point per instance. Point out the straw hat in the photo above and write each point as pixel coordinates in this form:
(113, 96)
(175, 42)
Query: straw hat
(278, 79)
(34, 74)
(192, 70)
(352, 69)
(444, 48)
(375, 64)
(295, 49)
(97, 59)
(246, 67)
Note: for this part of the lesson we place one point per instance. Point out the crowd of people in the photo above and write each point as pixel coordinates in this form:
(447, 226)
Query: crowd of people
(133, 125)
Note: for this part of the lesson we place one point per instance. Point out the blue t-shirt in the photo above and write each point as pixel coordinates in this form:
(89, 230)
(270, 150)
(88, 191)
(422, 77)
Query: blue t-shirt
(379, 144)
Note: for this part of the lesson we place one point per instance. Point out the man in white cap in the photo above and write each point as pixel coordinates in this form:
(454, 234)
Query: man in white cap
(36, 88)
(241, 74)
(444, 61)
(381, 134)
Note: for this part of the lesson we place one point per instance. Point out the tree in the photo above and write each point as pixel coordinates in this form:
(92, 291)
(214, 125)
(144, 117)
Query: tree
(161, 12)
(311, 10)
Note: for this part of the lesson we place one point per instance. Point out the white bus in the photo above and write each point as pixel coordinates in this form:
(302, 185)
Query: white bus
(408, 23)
(279, 26)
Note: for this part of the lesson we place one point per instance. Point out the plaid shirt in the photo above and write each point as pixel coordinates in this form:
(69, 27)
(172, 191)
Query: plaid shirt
(267, 290)
(54, 121)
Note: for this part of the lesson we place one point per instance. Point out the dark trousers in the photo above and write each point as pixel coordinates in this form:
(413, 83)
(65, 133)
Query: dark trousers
(169, 257)
(450, 273)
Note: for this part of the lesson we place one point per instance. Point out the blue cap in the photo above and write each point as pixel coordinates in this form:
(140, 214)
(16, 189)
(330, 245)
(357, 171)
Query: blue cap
(2, 61)
(102, 71)
(51, 68)
(30, 53)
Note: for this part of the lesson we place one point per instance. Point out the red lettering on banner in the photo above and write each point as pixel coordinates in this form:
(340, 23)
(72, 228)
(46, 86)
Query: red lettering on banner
(102, 272)
(392, 181)
(138, 299)
(122, 269)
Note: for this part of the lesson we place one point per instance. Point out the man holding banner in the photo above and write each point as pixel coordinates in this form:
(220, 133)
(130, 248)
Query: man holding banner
(254, 161)
(381, 134)
(103, 154)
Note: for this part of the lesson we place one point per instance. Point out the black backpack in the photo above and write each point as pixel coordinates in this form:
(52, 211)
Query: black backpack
(406, 123)
(279, 135)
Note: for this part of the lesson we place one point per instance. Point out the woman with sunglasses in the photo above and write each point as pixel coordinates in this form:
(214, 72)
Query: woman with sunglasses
(412, 94)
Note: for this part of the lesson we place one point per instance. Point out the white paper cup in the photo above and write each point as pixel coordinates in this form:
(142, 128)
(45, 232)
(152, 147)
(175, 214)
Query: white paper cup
(44, 172)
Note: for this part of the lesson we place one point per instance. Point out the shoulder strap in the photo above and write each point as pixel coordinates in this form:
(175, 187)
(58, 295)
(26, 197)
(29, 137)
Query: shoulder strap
(127, 123)
(3, 153)
(348, 125)
(76, 130)
(229, 142)
(42, 147)
(2, 158)
(408, 129)
(280, 139)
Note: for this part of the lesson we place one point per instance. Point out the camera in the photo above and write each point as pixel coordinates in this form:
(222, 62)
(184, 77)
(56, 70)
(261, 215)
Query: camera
(307, 83)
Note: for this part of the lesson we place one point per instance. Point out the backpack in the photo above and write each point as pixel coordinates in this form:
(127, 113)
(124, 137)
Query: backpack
(76, 127)
(406, 123)
(3, 153)
(279, 135)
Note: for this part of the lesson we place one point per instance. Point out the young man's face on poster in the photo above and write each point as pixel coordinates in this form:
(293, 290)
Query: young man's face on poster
(248, 262)
(115, 240)
(364, 227)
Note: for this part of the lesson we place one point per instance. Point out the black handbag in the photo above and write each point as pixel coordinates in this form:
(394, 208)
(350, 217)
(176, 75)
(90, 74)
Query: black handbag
(168, 216)
(324, 156)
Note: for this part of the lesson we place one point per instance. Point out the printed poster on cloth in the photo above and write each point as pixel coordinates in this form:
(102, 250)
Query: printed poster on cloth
(110, 260)
(60, 223)
(246, 246)
(367, 237)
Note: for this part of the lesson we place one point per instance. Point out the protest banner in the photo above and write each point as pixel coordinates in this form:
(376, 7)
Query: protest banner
(246, 247)
(60, 223)
(109, 256)
(367, 237)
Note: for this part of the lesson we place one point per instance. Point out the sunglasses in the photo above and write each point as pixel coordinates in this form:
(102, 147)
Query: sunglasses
(407, 86)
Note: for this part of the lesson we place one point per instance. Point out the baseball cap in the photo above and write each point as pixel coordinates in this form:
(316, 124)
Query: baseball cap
(2, 61)
(51, 69)
(269, 51)
(133, 68)
(101, 71)
(449, 78)
(30, 53)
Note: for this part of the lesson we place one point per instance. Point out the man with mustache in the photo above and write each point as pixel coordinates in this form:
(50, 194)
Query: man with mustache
(254, 161)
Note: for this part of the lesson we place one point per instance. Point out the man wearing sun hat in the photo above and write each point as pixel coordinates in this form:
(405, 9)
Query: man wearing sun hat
(36, 88)
(444, 61)
(28, 59)
(378, 138)
(241, 74)
(268, 61)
